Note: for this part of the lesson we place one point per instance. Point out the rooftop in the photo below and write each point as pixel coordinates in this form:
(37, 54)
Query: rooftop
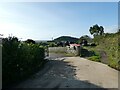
(74, 44)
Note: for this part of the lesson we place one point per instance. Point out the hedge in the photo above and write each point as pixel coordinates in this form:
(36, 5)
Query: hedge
(20, 60)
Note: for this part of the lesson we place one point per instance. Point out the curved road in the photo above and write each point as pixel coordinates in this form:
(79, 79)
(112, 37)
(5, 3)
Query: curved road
(72, 72)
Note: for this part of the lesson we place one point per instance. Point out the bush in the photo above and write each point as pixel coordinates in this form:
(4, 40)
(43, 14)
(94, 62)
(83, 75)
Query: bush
(93, 44)
(87, 53)
(52, 44)
(19, 60)
(90, 54)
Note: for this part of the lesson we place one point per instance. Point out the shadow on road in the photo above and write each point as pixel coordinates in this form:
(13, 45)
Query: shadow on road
(55, 75)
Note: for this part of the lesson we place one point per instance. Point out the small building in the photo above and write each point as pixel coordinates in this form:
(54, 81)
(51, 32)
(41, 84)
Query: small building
(74, 49)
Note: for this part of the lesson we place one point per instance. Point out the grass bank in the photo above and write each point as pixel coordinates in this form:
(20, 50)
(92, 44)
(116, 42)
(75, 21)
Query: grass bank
(107, 50)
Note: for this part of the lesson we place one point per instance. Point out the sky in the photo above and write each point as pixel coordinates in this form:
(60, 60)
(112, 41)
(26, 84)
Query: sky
(47, 20)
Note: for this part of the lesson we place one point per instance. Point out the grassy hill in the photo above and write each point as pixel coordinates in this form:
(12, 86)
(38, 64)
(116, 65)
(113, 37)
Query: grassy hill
(110, 45)
(108, 49)
(66, 38)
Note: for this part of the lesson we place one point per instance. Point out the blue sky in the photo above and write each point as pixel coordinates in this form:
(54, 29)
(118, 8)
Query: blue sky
(42, 21)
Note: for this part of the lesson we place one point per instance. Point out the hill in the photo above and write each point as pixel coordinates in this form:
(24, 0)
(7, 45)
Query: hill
(108, 47)
(66, 38)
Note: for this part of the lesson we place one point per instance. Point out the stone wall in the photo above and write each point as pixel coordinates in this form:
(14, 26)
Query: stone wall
(74, 50)
(58, 49)
(68, 49)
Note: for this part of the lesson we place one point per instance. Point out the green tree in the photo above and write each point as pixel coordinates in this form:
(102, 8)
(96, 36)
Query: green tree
(85, 37)
(96, 30)
(30, 41)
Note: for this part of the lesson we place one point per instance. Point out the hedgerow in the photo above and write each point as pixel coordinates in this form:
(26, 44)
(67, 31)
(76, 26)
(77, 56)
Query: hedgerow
(20, 60)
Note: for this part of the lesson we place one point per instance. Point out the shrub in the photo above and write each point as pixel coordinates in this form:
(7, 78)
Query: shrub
(19, 60)
(87, 53)
(93, 44)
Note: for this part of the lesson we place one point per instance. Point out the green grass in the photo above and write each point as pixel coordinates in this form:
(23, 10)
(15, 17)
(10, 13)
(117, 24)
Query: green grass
(94, 58)
(109, 44)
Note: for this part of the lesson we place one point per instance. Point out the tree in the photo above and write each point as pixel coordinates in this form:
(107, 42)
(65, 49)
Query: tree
(30, 41)
(96, 30)
(85, 42)
(67, 43)
(85, 38)
(101, 31)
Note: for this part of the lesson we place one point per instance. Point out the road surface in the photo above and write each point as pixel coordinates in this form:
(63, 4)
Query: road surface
(72, 72)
